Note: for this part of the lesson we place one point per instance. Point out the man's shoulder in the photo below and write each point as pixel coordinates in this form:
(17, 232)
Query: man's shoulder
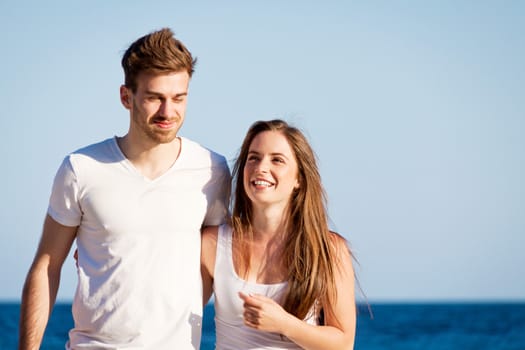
(102, 151)
(95, 146)
(199, 153)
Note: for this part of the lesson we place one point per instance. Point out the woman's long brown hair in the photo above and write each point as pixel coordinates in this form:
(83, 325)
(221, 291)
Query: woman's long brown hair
(309, 252)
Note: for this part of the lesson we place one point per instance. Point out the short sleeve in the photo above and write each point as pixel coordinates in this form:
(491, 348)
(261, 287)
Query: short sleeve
(218, 202)
(64, 204)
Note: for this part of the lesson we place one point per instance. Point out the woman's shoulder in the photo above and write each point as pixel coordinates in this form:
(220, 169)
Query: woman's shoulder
(340, 245)
(336, 238)
(209, 236)
(210, 233)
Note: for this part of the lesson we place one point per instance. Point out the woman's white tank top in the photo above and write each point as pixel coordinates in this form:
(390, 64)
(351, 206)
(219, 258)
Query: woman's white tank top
(231, 333)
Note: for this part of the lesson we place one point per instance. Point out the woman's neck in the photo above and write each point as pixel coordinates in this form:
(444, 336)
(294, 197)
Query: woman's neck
(268, 224)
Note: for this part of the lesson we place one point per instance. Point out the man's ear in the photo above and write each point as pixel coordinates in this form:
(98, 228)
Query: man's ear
(125, 96)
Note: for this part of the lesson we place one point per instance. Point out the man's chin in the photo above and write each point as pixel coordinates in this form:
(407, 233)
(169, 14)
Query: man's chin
(163, 137)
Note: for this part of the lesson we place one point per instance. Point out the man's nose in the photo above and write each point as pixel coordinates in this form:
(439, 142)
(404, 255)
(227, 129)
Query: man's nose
(167, 109)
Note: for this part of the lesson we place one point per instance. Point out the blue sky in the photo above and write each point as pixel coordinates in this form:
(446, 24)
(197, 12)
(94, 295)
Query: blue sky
(415, 109)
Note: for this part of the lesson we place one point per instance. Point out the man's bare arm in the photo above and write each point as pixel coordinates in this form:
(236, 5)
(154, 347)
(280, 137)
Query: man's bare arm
(42, 281)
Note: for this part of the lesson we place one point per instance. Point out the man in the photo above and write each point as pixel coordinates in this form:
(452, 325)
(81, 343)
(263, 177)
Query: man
(135, 205)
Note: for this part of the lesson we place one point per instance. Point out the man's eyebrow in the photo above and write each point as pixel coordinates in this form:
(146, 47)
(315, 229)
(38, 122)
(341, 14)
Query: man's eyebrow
(155, 93)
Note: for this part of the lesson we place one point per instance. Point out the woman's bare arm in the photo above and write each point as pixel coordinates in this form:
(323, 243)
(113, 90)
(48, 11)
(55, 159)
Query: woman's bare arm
(339, 330)
(208, 251)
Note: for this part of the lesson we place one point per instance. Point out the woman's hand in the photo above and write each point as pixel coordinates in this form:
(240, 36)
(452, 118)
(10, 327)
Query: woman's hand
(263, 313)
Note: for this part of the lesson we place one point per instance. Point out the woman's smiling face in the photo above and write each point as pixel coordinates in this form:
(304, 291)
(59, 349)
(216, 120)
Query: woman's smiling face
(270, 173)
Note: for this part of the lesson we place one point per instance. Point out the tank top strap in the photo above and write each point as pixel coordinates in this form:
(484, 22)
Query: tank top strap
(223, 255)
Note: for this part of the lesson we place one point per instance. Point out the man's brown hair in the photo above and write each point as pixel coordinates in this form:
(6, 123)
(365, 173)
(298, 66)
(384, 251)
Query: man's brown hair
(158, 52)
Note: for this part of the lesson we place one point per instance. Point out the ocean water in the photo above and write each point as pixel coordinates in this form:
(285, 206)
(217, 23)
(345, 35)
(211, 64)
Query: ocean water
(406, 326)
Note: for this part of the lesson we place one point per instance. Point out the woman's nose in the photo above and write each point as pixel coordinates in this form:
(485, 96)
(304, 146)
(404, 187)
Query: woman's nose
(263, 166)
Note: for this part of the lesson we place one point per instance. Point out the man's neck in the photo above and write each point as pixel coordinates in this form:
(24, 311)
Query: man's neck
(150, 159)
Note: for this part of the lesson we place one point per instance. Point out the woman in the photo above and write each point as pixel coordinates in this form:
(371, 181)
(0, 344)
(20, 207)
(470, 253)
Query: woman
(281, 279)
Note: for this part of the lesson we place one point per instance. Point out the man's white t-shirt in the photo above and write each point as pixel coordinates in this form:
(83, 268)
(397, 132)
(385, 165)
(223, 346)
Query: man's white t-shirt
(138, 241)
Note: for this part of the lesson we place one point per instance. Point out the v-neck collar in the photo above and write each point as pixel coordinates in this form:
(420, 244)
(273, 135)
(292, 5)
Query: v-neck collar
(129, 165)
